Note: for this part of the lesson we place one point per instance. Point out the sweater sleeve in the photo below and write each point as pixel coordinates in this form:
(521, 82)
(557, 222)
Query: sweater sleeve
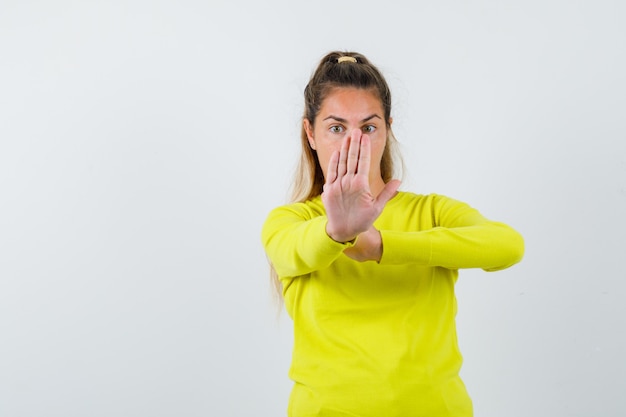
(296, 242)
(459, 237)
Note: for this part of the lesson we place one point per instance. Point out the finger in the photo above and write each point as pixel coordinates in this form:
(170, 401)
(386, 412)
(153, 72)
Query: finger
(353, 151)
(331, 171)
(343, 157)
(365, 156)
(387, 193)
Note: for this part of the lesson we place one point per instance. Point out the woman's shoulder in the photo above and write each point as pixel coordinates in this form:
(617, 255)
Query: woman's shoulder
(411, 198)
(434, 203)
(305, 209)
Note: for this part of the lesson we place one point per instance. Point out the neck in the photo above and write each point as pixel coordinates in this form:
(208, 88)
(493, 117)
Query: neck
(376, 185)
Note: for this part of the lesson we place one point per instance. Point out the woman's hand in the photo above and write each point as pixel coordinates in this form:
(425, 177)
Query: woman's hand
(351, 208)
(368, 246)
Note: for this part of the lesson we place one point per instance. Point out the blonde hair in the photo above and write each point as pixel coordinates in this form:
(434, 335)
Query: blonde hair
(336, 70)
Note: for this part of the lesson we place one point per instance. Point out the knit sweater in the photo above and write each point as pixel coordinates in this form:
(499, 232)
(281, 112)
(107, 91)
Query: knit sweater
(379, 338)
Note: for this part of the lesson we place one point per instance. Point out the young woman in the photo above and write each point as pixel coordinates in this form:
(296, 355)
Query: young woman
(368, 273)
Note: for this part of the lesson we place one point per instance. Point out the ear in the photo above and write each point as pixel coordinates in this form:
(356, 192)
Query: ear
(390, 121)
(308, 128)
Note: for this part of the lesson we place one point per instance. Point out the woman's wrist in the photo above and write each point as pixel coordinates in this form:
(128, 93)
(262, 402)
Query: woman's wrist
(338, 236)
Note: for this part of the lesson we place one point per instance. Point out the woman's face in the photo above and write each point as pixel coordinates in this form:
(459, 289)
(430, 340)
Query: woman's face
(344, 110)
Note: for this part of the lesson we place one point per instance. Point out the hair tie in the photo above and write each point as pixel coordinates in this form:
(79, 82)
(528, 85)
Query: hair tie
(346, 59)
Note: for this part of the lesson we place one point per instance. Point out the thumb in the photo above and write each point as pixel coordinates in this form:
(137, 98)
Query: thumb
(387, 193)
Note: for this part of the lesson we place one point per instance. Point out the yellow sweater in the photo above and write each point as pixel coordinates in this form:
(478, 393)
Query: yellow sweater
(379, 339)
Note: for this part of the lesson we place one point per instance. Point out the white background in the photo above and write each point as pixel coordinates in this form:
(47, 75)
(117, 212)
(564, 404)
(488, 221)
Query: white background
(142, 144)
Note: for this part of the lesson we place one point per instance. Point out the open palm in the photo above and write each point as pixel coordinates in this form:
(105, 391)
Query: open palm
(351, 208)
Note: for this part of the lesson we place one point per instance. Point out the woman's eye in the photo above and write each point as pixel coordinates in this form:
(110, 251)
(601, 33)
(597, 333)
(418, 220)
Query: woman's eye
(336, 129)
(369, 129)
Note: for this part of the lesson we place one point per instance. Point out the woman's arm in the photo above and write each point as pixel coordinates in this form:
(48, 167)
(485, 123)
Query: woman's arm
(491, 246)
(460, 238)
(296, 241)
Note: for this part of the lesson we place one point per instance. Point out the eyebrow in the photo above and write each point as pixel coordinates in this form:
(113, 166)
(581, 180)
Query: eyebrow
(342, 120)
